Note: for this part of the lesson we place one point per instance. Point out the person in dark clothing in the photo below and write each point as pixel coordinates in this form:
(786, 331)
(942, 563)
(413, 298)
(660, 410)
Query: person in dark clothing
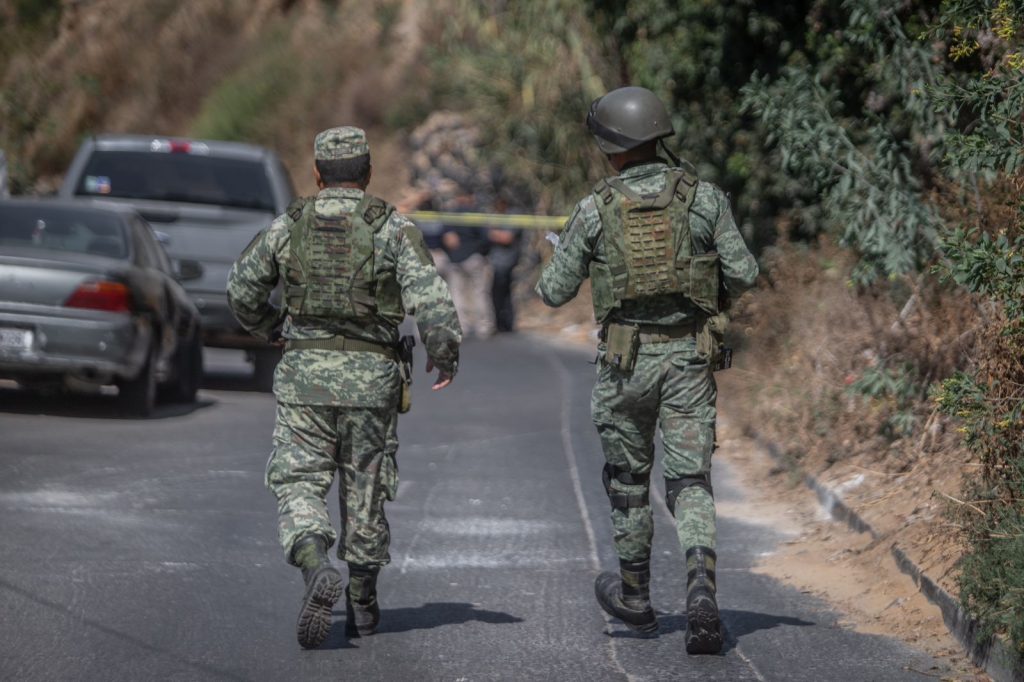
(504, 256)
(469, 273)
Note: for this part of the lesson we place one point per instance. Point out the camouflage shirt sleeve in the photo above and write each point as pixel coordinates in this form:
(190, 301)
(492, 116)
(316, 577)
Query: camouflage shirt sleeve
(570, 264)
(739, 267)
(253, 276)
(425, 295)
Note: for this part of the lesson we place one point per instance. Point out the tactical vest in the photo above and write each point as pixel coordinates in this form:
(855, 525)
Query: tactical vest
(649, 248)
(330, 271)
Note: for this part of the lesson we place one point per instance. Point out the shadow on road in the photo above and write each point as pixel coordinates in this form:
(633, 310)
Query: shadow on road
(87, 405)
(737, 625)
(229, 381)
(426, 617)
(437, 614)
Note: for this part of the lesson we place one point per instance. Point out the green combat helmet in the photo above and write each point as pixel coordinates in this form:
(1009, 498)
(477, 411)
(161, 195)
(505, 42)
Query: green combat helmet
(627, 118)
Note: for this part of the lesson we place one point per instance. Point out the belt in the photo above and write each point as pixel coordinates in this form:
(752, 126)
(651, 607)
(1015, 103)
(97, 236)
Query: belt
(341, 343)
(660, 333)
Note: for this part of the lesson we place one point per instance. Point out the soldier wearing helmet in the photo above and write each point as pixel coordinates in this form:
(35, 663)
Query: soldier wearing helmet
(664, 256)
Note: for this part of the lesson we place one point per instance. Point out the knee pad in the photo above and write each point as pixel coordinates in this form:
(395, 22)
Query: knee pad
(674, 486)
(621, 500)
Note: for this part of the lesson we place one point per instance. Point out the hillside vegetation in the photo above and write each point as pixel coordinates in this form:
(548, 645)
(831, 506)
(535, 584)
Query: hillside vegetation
(874, 151)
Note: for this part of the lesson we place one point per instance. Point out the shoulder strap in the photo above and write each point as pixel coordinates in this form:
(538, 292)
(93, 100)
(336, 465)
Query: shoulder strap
(685, 187)
(624, 189)
(295, 209)
(374, 212)
(678, 183)
(299, 211)
(604, 193)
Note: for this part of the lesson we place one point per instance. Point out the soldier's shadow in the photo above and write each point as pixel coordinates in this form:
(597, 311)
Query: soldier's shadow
(737, 624)
(426, 617)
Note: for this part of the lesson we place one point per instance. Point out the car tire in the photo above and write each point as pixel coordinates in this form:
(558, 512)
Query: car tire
(137, 397)
(188, 371)
(264, 363)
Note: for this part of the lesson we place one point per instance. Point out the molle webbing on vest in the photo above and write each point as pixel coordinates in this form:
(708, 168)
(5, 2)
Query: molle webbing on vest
(650, 251)
(330, 272)
(648, 243)
(333, 259)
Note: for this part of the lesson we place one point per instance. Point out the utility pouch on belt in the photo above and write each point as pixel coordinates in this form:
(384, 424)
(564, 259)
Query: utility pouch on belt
(623, 342)
(405, 346)
(711, 341)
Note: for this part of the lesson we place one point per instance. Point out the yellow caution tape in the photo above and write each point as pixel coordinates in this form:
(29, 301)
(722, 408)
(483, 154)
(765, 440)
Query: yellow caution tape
(529, 222)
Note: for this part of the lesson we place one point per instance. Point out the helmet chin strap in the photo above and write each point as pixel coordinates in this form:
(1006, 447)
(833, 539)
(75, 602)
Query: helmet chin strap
(675, 159)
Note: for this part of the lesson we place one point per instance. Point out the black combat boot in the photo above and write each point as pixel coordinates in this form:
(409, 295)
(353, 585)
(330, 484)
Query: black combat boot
(323, 589)
(703, 626)
(628, 598)
(362, 611)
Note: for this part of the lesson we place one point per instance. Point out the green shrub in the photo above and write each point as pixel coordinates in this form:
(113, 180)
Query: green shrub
(243, 106)
(898, 390)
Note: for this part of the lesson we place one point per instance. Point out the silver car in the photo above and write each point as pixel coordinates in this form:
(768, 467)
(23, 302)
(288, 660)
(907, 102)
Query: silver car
(87, 293)
(210, 198)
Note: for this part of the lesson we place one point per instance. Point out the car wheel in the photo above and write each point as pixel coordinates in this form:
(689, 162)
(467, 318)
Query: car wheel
(188, 371)
(264, 363)
(137, 396)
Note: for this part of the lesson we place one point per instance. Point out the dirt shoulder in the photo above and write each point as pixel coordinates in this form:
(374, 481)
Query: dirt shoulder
(851, 571)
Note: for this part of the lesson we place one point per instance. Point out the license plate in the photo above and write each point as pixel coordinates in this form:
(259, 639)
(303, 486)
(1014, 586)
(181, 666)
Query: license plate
(15, 339)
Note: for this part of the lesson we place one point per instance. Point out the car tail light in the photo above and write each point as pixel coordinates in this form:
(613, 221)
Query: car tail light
(179, 147)
(110, 296)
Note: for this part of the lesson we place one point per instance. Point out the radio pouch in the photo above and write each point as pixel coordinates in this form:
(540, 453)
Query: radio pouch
(622, 343)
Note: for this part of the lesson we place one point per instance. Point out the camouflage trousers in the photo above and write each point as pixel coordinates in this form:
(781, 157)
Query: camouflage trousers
(672, 388)
(311, 442)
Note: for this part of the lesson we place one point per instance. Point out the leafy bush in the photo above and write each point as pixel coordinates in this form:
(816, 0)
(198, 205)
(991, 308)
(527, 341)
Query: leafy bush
(697, 57)
(908, 126)
(985, 257)
(864, 152)
(898, 390)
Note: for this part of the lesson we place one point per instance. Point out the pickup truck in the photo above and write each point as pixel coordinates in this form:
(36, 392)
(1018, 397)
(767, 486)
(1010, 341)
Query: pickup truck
(208, 199)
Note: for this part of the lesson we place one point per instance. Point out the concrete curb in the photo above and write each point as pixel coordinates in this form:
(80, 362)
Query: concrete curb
(993, 655)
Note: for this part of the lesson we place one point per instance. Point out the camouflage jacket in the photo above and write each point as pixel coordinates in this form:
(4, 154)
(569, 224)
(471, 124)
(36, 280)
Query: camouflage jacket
(350, 378)
(712, 229)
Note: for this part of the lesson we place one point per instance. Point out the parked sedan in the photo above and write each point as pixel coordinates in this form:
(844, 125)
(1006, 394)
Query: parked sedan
(87, 293)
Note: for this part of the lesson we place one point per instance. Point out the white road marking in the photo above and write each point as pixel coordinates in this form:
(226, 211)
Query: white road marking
(577, 487)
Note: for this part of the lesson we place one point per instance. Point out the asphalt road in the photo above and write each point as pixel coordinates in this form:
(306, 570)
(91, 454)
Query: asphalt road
(138, 550)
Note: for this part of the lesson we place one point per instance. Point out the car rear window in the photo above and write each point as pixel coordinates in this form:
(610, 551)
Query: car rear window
(185, 177)
(63, 229)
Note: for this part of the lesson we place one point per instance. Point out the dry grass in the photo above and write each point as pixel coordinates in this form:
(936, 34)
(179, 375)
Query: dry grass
(809, 341)
(162, 67)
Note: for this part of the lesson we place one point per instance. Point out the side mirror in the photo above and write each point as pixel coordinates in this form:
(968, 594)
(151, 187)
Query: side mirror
(186, 270)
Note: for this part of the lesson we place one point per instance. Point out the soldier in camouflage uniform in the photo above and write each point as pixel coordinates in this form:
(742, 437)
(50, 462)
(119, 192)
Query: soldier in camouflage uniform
(663, 253)
(352, 267)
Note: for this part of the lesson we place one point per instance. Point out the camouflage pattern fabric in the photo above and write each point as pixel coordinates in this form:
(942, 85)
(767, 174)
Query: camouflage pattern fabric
(712, 227)
(671, 385)
(310, 443)
(358, 379)
(338, 410)
(343, 142)
(676, 389)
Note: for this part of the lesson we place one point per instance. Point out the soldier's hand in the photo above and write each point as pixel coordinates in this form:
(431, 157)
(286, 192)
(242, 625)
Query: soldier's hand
(276, 339)
(443, 378)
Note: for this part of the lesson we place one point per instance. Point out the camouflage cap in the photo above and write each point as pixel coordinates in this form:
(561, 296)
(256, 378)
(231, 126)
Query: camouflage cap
(345, 142)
